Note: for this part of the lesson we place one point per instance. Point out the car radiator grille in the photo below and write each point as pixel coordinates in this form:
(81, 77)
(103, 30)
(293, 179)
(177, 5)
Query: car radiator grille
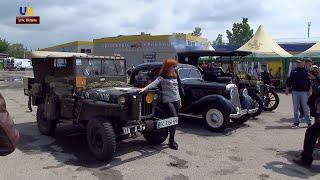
(146, 108)
(235, 98)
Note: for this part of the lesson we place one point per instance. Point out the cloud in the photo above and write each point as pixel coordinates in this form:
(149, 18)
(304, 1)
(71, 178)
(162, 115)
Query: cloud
(65, 20)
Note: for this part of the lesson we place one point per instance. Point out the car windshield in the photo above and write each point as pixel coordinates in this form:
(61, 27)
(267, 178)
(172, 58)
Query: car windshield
(100, 67)
(189, 73)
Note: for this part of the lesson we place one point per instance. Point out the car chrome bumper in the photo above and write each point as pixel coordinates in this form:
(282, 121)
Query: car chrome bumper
(243, 112)
(239, 114)
(252, 111)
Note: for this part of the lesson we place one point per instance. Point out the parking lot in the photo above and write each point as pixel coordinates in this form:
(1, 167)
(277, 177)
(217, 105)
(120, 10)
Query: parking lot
(259, 149)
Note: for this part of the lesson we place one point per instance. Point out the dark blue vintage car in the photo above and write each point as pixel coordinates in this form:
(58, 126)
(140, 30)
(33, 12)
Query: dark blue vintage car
(216, 103)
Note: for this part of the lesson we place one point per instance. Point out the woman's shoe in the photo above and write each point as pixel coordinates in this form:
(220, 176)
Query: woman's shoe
(173, 145)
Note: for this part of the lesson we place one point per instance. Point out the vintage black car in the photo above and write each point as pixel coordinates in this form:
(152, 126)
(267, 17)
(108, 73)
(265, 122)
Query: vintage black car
(91, 90)
(215, 73)
(214, 102)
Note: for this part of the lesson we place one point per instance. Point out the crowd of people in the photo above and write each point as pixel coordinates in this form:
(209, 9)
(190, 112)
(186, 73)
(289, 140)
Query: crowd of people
(304, 81)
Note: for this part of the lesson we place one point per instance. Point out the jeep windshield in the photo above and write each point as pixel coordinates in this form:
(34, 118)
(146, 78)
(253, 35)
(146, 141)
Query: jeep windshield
(189, 73)
(100, 67)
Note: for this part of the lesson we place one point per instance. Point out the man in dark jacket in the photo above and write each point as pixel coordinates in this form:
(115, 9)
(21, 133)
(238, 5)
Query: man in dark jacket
(299, 82)
(265, 76)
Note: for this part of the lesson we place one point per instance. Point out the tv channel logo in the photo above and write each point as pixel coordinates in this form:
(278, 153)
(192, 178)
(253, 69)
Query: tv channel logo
(26, 16)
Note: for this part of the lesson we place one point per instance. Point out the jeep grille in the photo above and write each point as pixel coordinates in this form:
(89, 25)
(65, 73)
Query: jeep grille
(147, 109)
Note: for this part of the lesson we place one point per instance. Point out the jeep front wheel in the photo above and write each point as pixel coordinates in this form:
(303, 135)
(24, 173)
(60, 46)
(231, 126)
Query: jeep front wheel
(156, 137)
(46, 127)
(101, 139)
(215, 118)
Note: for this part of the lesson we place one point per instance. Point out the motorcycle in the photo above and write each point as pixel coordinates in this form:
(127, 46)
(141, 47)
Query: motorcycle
(270, 97)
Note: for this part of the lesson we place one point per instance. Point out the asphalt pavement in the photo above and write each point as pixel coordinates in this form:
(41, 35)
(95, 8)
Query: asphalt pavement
(262, 148)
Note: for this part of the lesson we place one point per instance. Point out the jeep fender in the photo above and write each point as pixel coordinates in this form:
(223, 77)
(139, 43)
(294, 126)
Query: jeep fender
(199, 105)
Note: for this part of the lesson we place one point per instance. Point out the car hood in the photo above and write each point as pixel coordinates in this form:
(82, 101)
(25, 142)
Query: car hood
(204, 84)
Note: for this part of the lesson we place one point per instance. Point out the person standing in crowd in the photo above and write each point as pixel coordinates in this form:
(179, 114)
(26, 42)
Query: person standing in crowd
(299, 82)
(170, 94)
(256, 72)
(308, 64)
(265, 76)
(203, 66)
(308, 68)
(278, 78)
(313, 132)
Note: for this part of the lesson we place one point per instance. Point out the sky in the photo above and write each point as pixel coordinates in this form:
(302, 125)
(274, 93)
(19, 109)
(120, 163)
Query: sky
(69, 20)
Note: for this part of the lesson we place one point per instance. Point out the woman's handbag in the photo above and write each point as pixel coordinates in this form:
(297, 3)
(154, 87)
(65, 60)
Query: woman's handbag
(9, 135)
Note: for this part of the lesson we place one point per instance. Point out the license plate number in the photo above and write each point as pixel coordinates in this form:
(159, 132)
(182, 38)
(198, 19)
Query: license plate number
(167, 122)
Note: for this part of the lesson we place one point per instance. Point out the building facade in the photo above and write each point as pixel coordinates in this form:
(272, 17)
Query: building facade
(143, 48)
(75, 46)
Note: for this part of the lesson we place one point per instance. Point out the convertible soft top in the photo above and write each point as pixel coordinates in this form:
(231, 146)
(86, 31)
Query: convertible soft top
(51, 54)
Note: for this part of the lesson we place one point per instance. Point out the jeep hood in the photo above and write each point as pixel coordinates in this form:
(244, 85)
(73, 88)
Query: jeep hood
(114, 91)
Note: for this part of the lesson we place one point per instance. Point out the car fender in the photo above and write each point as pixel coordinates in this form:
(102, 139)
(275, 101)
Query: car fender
(253, 90)
(204, 102)
(247, 102)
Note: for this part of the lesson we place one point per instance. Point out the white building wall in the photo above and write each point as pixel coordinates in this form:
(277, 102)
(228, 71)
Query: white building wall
(137, 52)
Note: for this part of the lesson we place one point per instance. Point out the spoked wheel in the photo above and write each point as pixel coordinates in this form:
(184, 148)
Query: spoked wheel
(215, 118)
(271, 100)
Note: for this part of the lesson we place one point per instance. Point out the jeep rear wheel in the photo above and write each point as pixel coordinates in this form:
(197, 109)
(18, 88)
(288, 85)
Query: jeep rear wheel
(101, 139)
(46, 127)
(156, 137)
(215, 118)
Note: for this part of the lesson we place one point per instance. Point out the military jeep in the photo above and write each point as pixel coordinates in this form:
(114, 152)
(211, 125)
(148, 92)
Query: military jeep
(91, 90)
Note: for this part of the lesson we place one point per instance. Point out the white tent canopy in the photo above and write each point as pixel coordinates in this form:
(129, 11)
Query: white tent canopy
(313, 51)
(262, 44)
(209, 47)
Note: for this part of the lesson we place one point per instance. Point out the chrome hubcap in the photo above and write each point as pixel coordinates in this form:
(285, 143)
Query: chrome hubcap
(214, 118)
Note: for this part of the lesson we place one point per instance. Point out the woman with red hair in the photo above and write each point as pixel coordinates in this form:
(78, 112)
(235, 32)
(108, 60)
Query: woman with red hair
(167, 79)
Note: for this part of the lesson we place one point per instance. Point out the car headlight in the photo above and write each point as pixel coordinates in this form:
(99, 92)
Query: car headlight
(245, 92)
(149, 98)
(121, 100)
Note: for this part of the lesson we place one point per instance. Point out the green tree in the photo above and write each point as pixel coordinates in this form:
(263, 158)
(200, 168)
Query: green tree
(4, 45)
(197, 31)
(241, 33)
(218, 41)
(16, 50)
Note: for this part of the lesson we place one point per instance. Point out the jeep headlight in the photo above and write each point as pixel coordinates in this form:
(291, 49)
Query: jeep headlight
(155, 97)
(121, 100)
(149, 98)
